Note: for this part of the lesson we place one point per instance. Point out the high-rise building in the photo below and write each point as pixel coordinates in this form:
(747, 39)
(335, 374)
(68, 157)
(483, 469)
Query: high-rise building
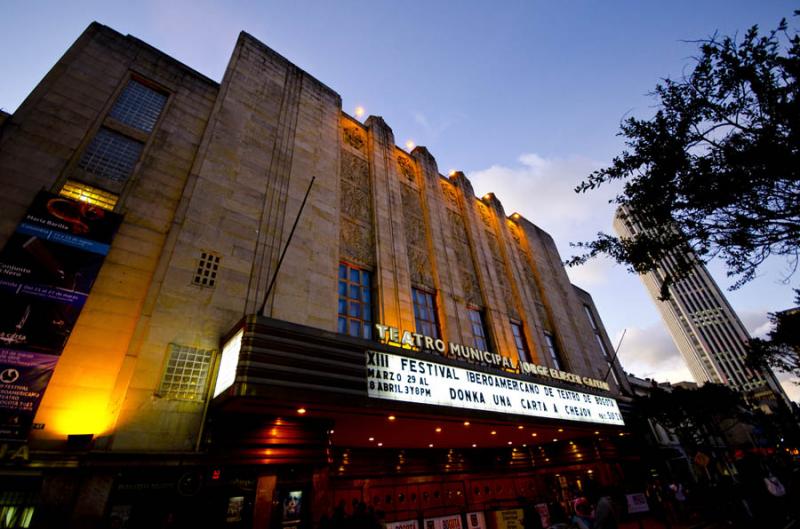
(705, 329)
(176, 353)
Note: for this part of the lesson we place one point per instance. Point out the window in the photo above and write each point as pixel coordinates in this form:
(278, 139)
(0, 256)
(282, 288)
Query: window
(207, 268)
(111, 155)
(186, 376)
(355, 302)
(600, 342)
(87, 193)
(591, 317)
(519, 341)
(552, 348)
(425, 313)
(138, 106)
(480, 340)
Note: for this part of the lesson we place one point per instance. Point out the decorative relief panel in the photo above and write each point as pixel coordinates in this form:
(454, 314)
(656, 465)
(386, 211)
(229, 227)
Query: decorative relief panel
(414, 226)
(450, 195)
(502, 278)
(486, 216)
(466, 266)
(356, 235)
(355, 137)
(406, 168)
(530, 281)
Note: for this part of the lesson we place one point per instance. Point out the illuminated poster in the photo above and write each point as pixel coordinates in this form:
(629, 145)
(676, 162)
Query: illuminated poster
(47, 269)
(443, 522)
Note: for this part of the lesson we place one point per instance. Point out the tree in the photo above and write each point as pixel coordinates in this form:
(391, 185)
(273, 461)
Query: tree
(717, 168)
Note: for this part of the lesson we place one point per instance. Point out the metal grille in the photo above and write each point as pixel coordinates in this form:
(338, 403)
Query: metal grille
(207, 268)
(186, 375)
(138, 106)
(87, 193)
(111, 155)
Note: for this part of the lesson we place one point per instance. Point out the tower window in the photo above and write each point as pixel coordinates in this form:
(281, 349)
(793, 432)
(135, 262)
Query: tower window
(355, 302)
(138, 106)
(479, 335)
(552, 348)
(519, 341)
(425, 313)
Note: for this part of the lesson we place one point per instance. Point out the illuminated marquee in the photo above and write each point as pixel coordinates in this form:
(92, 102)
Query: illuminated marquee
(413, 340)
(406, 379)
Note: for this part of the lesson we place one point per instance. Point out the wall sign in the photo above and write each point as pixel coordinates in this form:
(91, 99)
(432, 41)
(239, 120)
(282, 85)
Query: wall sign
(443, 522)
(401, 378)
(456, 351)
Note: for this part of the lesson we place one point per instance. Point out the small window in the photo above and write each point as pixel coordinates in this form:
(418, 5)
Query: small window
(111, 155)
(552, 348)
(207, 268)
(479, 335)
(87, 193)
(519, 341)
(138, 106)
(425, 313)
(355, 302)
(186, 376)
(591, 317)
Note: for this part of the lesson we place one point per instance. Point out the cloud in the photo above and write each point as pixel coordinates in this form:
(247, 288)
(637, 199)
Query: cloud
(649, 352)
(541, 189)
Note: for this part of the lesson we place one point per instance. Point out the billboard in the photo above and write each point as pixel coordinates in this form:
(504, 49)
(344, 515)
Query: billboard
(47, 269)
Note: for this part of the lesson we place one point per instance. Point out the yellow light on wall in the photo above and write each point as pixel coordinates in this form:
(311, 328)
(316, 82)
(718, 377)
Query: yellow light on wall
(82, 413)
(410, 145)
(86, 193)
(359, 111)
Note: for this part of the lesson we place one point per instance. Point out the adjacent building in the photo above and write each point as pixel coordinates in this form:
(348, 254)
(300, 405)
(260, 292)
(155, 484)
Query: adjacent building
(705, 329)
(233, 304)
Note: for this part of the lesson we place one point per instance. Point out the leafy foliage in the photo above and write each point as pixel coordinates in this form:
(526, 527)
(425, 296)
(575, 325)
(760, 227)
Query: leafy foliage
(781, 350)
(717, 168)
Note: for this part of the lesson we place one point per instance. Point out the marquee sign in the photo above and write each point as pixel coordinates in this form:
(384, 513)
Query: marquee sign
(401, 378)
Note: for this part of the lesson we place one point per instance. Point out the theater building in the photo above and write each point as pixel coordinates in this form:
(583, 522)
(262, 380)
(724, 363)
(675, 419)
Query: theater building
(234, 305)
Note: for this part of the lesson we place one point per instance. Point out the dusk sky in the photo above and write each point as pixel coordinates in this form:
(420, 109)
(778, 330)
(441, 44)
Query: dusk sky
(525, 97)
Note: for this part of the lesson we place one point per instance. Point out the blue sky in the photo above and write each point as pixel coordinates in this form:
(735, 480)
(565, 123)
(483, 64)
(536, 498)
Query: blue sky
(525, 97)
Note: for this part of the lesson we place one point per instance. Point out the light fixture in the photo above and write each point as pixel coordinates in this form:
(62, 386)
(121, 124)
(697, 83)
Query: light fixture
(466, 423)
(474, 445)
(534, 434)
(509, 442)
(438, 429)
(554, 440)
(430, 445)
(452, 172)
(410, 145)
(301, 411)
(520, 427)
(494, 432)
(380, 444)
(392, 417)
(597, 433)
(371, 439)
(359, 111)
(560, 430)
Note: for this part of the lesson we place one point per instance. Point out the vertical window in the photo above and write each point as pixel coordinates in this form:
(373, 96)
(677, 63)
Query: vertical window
(591, 317)
(138, 106)
(479, 335)
(355, 302)
(111, 155)
(425, 313)
(552, 348)
(519, 341)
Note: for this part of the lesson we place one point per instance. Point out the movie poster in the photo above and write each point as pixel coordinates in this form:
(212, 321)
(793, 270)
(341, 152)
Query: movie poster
(47, 269)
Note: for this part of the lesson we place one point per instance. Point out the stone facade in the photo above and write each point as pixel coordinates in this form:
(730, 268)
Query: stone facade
(224, 172)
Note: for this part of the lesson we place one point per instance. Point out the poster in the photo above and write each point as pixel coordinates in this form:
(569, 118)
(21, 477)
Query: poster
(292, 507)
(47, 269)
(403, 524)
(508, 519)
(637, 503)
(235, 508)
(23, 378)
(476, 520)
(544, 514)
(452, 521)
